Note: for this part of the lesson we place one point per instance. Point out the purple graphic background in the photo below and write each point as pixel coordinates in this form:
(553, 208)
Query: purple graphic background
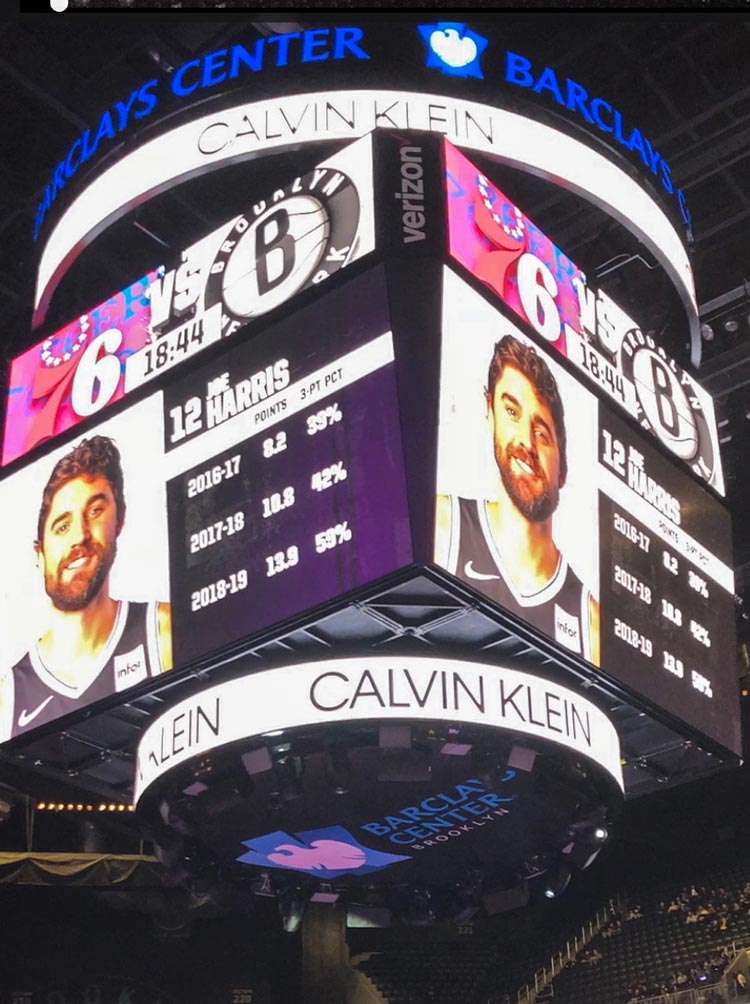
(371, 500)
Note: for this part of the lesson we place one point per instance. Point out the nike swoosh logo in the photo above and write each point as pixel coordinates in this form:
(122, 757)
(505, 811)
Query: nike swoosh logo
(469, 571)
(26, 717)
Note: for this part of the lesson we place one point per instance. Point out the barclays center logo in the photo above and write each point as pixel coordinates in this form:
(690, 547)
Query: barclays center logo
(326, 853)
(453, 48)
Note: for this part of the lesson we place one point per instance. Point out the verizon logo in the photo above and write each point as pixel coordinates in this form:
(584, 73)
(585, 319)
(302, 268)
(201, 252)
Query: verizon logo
(413, 217)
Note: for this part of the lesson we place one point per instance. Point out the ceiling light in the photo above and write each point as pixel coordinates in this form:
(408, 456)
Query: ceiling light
(557, 882)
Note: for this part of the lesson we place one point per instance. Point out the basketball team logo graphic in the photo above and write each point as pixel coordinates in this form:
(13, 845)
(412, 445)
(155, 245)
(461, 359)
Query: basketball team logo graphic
(668, 402)
(298, 238)
(503, 224)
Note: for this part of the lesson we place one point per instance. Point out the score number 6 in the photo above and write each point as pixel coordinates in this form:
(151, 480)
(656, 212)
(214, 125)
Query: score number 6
(97, 374)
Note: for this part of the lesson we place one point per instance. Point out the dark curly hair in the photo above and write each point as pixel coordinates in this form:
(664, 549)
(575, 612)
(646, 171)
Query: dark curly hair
(509, 351)
(97, 456)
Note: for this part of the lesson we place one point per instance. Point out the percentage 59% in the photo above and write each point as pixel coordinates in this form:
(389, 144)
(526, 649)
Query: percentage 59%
(282, 561)
(332, 537)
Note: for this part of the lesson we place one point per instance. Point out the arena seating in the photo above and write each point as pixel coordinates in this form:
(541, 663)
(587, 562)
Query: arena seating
(655, 948)
(638, 956)
(423, 966)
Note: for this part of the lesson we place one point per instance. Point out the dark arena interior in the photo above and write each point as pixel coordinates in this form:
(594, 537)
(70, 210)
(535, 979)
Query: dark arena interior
(375, 479)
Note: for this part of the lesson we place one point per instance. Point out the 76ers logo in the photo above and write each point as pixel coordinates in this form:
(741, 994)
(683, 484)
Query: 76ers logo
(668, 403)
(297, 238)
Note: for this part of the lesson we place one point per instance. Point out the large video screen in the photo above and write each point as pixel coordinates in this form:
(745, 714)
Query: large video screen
(284, 469)
(260, 485)
(500, 245)
(281, 243)
(555, 509)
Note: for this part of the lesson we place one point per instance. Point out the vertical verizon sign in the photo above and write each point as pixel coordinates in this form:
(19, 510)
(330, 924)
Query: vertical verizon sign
(413, 217)
(291, 239)
(491, 237)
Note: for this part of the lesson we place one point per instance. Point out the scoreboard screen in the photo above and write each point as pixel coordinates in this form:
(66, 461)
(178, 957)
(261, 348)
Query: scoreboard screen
(559, 511)
(259, 485)
(289, 240)
(283, 471)
(491, 237)
(240, 473)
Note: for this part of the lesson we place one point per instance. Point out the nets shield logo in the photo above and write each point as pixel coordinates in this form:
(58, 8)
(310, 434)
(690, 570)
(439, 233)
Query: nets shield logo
(326, 853)
(453, 48)
(668, 403)
(297, 238)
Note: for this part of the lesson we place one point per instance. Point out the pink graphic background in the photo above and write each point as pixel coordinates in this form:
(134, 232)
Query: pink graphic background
(38, 401)
(334, 855)
(488, 234)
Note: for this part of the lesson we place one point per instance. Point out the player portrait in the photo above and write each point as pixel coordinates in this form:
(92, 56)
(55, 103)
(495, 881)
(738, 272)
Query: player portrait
(88, 612)
(516, 509)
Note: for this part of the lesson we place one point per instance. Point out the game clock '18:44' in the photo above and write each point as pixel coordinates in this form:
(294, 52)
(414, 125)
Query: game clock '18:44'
(171, 348)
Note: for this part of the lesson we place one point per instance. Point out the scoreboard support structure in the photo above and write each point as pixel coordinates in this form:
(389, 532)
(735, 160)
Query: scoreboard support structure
(438, 591)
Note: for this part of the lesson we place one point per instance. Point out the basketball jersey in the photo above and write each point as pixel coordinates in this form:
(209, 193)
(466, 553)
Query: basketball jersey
(560, 608)
(130, 656)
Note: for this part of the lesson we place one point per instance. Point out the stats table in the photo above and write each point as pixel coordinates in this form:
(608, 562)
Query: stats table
(665, 578)
(285, 483)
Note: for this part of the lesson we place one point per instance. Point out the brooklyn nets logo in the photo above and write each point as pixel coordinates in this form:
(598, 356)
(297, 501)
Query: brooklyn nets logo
(668, 402)
(297, 238)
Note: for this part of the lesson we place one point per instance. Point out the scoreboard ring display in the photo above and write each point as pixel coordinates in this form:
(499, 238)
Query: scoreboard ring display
(394, 767)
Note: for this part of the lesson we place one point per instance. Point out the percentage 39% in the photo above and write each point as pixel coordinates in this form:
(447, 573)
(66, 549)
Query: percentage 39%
(323, 418)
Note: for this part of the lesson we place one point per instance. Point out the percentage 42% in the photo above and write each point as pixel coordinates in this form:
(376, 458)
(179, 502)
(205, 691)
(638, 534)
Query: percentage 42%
(328, 476)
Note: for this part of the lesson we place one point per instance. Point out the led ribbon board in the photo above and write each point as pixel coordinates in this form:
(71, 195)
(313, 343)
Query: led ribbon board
(383, 689)
(250, 129)
(290, 240)
(499, 244)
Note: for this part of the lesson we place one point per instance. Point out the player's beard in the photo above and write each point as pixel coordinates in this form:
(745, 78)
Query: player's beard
(80, 590)
(533, 496)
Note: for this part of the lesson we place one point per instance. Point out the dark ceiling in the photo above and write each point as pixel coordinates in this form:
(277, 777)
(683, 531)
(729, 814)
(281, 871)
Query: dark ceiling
(685, 79)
